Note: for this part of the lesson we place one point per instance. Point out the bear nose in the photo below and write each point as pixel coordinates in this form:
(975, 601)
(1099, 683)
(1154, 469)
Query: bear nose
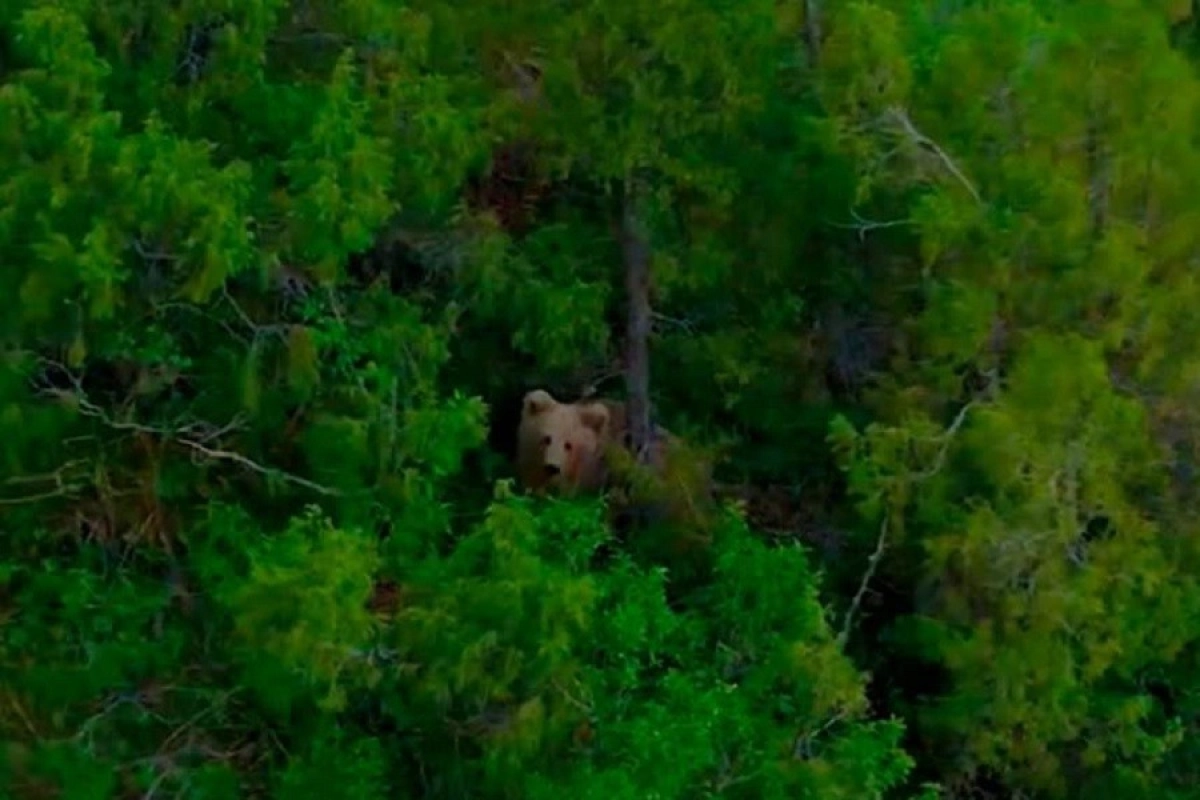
(552, 470)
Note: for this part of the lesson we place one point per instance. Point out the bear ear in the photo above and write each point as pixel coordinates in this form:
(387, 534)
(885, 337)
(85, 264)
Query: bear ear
(595, 416)
(537, 401)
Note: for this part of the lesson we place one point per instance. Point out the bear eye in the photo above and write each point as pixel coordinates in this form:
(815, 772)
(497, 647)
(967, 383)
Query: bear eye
(545, 440)
(567, 446)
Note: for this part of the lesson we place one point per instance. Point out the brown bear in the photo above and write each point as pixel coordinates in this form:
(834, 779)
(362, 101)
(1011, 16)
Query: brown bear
(570, 448)
(564, 447)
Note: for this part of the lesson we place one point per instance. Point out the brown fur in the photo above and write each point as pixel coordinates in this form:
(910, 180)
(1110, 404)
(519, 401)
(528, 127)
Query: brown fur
(571, 447)
(561, 446)
(568, 447)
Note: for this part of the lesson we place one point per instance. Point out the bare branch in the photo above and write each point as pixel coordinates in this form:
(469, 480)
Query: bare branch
(586, 708)
(62, 486)
(194, 435)
(55, 477)
(946, 438)
(150, 256)
(259, 468)
(686, 325)
(592, 381)
(863, 225)
(259, 330)
(63, 491)
(527, 78)
(864, 584)
(15, 703)
(802, 748)
(195, 718)
(939, 461)
(900, 116)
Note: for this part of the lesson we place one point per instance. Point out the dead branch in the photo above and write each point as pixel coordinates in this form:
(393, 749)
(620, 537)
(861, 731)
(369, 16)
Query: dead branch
(939, 461)
(591, 382)
(946, 439)
(229, 455)
(195, 435)
(863, 225)
(864, 584)
(280, 330)
(901, 118)
(15, 704)
(62, 486)
(200, 312)
(802, 748)
(585, 707)
(63, 491)
(526, 77)
(684, 324)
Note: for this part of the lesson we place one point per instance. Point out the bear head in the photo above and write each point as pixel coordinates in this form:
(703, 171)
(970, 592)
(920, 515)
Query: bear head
(561, 446)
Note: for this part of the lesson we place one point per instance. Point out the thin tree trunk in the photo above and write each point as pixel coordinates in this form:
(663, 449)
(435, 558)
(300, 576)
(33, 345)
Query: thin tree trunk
(635, 248)
(1099, 179)
(812, 31)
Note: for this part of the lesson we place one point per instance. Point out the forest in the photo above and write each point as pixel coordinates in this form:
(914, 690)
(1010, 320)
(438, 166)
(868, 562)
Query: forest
(916, 279)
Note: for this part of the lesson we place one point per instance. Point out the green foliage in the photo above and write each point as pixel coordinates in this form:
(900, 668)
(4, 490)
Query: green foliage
(525, 643)
(302, 608)
(923, 279)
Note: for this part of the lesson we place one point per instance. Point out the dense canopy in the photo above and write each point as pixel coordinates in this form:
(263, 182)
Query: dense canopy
(923, 280)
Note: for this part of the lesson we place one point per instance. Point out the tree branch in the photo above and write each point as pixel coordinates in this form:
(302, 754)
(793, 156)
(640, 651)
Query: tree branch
(62, 486)
(238, 458)
(881, 542)
(868, 575)
(947, 438)
(900, 116)
(863, 225)
(194, 435)
(802, 747)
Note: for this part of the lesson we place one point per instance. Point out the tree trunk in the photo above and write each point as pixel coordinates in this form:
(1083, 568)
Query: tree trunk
(1099, 177)
(812, 31)
(636, 251)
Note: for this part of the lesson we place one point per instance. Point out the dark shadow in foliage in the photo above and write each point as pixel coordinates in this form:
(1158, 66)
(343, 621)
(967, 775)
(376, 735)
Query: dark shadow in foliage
(1185, 34)
(1098, 528)
(1163, 695)
(902, 685)
(855, 349)
(196, 49)
(7, 53)
(512, 187)
(112, 382)
(392, 261)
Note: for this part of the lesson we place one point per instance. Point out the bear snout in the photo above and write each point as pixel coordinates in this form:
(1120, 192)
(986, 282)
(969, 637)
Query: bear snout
(552, 470)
